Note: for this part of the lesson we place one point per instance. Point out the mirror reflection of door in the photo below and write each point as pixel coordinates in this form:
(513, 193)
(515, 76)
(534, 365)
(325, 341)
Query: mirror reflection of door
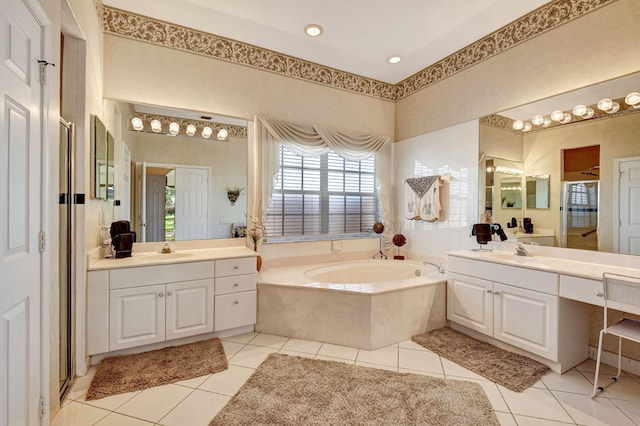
(175, 203)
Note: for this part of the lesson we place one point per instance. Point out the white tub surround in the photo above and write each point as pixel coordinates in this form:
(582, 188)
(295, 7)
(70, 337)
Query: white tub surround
(367, 315)
(537, 305)
(153, 299)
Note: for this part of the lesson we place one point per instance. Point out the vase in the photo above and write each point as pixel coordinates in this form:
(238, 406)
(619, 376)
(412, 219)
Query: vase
(258, 258)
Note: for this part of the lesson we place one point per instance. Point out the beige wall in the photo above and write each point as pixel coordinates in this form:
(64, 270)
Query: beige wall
(596, 47)
(136, 71)
(617, 137)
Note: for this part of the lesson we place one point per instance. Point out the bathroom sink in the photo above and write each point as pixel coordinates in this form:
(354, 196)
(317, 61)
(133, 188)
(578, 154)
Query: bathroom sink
(514, 258)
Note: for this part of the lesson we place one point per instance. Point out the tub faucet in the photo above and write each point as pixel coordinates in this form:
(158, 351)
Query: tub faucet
(437, 265)
(521, 251)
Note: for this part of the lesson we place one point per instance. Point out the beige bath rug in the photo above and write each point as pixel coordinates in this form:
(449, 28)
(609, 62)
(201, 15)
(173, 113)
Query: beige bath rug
(290, 390)
(513, 371)
(127, 373)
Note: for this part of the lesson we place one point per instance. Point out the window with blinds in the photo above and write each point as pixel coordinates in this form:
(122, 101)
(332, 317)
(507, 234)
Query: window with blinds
(322, 195)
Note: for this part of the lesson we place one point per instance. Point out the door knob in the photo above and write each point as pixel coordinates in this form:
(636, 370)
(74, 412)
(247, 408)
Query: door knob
(600, 294)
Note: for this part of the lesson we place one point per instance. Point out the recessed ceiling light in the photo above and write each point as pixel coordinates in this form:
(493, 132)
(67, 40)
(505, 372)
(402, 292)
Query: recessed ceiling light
(313, 30)
(394, 59)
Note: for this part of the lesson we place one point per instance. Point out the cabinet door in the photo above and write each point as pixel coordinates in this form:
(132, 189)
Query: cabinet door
(469, 302)
(526, 319)
(136, 316)
(235, 310)
(189, 308)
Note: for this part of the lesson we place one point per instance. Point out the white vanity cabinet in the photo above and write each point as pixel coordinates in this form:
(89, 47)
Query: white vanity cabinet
(518, 308)
(150, 314)
(523, 318)
(235, 300)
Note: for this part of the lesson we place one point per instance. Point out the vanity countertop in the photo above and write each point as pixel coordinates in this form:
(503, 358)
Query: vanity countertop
(577, 268)
(148, 258)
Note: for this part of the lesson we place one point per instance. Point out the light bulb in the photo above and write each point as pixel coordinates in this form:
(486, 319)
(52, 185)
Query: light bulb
(394, 59)
(526, 127)
(633, 99)
(566, 117)
(537, 120)
(580, 110)
(557, 115)
(615, 107)
(174, 128)
(137, 124)
(518, 125)
(547, 122)
(207, 132)
(313, 30)
(222, 134)
(191, 130)
(588, 114)
(605, 104)
(156, 125)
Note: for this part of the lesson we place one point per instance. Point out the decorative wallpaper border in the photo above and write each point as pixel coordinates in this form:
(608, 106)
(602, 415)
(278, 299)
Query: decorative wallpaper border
(545, 18)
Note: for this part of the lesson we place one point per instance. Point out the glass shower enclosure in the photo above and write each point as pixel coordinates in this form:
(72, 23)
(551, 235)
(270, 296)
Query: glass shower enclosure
(579, 220)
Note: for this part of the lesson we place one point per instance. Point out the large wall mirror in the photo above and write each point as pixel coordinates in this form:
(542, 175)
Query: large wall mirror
(540, 149)
(183, 165)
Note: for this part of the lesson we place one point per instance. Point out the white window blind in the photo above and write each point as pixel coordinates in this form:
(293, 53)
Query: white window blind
(322, 195)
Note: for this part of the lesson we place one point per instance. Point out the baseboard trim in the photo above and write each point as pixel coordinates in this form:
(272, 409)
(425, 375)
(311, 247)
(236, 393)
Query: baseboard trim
(628, 364)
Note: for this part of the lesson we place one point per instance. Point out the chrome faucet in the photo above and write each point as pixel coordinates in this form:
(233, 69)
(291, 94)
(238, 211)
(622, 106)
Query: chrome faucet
(437, 265)
(521, 251)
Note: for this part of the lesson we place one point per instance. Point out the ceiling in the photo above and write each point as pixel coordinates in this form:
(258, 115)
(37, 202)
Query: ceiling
(359, 35)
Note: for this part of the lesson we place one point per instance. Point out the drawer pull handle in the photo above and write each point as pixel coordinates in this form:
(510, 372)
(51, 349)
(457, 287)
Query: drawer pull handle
(169, 293)
(236, 302)
(489, 290)
(161, 294)
(600, 294)
(236, 284)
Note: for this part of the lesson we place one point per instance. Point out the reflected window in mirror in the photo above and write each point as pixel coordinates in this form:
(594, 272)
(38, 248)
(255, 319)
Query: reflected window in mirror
(537, 190)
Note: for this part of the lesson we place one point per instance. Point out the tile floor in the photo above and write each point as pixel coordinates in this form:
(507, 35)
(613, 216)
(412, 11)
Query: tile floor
(554, 400)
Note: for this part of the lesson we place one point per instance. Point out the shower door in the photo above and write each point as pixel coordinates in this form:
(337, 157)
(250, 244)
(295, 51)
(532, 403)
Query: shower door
(579, 225)
(66, 252)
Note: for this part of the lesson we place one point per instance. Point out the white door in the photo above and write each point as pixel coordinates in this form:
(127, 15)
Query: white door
(526, 319)
(189, 308)
(155, 207)
(629, 207)
(470, 302)
(136, 316)
(20, 213)
(192, 203)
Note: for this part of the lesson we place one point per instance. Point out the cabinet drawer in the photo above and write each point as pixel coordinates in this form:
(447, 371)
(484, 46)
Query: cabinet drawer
(235, 284)
(581, 289)
(236, 266)
(530, 279)
(235, 310)
(159, 274)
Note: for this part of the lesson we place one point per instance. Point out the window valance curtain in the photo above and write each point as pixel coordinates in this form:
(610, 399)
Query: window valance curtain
(314, 140)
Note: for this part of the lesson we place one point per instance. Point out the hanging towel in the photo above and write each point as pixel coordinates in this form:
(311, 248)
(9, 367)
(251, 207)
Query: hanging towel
(422, 198)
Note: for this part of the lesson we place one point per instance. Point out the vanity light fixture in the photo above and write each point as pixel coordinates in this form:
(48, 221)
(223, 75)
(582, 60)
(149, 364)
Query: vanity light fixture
(174, 128)
(207, 132)
(137, 123)
(580, 110)
(191, 130)
(605, 104)
(313, 30)
(156, 126)
(633, 99)
(222, 134)
(394, 59)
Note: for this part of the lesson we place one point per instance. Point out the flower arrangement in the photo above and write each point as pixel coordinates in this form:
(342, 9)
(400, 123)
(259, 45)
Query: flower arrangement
(233, 194)
(256, 228)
